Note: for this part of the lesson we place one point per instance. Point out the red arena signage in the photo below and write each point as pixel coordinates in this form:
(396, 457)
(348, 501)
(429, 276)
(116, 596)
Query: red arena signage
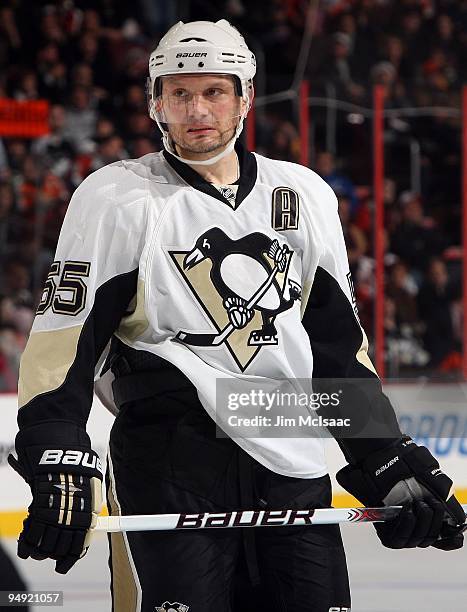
(24, 119)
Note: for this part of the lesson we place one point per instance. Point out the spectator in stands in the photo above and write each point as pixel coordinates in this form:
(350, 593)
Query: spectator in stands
(440, 76)
(159, 15)
(82, 75)
(361, 266)
(404, 329)
(16, 282)
(47, 56)
(341, 184)
(417, 238)
(355, 240)
(54, 149)
(91, 53)
(109, 148)
(402, 348)
(394, 52)
(135, 99)
(51, 29)
(81, 118)
(385, 75)
(36, 251)
(444, 37)
(277, 39)
(105, 127)
(4, 169)
(38, 192)
(135, 67)
(390, 324)
(137, 125)
(392, 213)
(412, 32)
(28, 187)
(52, 73)
(27, 88)
(339, 69)
(285, 142)
(11, 348)
(363, 42)
(10, 223)
(91, 23)
(402, 289)
(9, 29)
(19, 315)
(142, 146)
(17, 151)
(435, 300)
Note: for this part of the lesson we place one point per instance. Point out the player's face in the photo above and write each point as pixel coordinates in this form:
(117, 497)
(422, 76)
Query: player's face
(201, 111)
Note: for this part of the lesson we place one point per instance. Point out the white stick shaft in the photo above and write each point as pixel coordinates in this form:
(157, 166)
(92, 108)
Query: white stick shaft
(246, 518)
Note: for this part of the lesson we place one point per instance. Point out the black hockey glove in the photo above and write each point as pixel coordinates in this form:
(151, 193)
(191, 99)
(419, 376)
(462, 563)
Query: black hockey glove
(66, 485)
(408, 475)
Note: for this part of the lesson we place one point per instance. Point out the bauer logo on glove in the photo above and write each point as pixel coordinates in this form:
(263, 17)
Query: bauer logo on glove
(66, 487)
(70, 457)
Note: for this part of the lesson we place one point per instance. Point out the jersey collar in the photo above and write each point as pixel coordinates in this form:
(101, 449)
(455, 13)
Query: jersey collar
(248, 174)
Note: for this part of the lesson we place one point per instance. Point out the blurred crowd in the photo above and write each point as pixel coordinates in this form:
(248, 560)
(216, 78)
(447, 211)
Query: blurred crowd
(88, 58)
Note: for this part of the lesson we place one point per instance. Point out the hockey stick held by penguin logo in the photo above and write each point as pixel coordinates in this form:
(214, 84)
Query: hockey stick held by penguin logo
(244, 273)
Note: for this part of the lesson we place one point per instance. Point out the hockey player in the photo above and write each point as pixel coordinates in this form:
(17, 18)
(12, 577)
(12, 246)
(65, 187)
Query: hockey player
(175, 274)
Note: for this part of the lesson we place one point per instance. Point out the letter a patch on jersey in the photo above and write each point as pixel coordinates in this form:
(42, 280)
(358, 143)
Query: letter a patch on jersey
(285, 209)
(241, 285)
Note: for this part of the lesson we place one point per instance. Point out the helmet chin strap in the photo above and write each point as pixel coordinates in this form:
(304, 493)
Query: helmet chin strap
(168, 145)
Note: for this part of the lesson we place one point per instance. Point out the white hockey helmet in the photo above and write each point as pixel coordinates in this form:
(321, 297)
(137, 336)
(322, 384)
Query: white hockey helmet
(201, 47)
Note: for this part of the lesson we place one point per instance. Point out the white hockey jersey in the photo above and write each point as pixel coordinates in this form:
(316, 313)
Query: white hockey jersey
(236, 297)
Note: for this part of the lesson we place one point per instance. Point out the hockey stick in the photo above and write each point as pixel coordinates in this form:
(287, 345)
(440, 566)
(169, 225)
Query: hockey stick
(247, 518)
(209, 339)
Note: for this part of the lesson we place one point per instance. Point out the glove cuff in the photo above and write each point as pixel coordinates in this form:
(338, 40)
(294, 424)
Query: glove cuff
(372, 478)
(52, 432)
(57, 447)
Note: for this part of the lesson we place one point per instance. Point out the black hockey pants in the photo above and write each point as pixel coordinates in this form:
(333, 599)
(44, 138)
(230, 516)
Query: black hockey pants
(165, 458)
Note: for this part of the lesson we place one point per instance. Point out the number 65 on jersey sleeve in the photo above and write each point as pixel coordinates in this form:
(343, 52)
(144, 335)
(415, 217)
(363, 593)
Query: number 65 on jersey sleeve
(90, 283)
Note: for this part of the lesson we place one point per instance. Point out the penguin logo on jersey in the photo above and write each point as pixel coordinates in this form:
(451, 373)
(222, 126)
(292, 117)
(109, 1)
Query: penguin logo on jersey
(242, 286)
(172, 607)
